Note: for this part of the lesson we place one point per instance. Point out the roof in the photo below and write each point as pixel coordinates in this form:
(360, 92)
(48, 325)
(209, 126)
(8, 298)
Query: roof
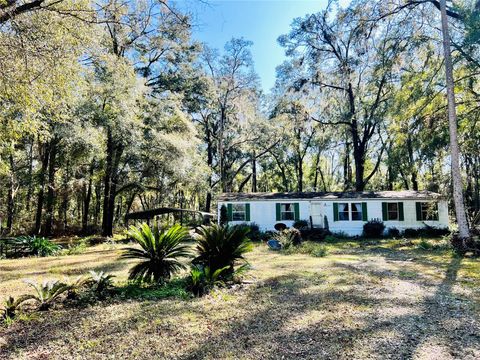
(404, 194)
(149, 214)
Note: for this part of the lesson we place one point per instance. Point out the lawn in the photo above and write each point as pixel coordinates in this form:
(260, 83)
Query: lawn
(363, 300)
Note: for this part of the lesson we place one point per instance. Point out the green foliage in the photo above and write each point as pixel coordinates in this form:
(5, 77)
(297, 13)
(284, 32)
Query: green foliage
(301, 224)
(223, 215)
(161, 252)
(373, 228)
(11, 306)
(47, 292)
(100, 283)
(38, 246)
(288, 238)
(76, 249)
(219, 247)
(77, 285)
(308, 248)
(175, 288)
(203, 279)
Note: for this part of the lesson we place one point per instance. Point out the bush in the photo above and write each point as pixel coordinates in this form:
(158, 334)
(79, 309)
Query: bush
(411, 233)
(301, 224)
(331, 239)
(38, 246)
(431, 231)
(11, 306)
(203, 279)
(341, 235)
(280, 226)
(47, 292)
(161, 252)
(315, 234)
(254, 232)
(75, 249)
(373, 228)
(219, 247)
(223, 215)
(288, 238)
(393, 232)
(100, 283)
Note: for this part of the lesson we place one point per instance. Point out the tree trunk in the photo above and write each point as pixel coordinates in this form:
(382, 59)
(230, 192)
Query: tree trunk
(51, 188)
(463, 230)
(254, 173)
(11, 195)
(87, 198)
(41, 191)
(30, 177)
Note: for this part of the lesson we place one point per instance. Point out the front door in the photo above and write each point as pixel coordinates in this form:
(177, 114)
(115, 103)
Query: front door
(316, 214)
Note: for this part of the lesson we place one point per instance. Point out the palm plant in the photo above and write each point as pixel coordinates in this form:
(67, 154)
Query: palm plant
(47, 292)
(219, 247)
(100, 282)
(161, 251)
(77, 285)
(11, 306)
(202, 279)
(38, 246)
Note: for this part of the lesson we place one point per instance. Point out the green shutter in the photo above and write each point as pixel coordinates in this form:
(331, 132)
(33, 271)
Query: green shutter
(419, 211)
(384, 211)
(335, 212)
(364, 212)
(296, 208)
(229, 212)
(278, 212)
(401, 217)
(247, 212)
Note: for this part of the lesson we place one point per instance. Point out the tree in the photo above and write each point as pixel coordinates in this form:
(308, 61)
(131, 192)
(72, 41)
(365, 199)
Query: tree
(463, 230)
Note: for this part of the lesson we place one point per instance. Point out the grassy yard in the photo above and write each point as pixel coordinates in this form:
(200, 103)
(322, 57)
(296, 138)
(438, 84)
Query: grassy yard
(363, 300)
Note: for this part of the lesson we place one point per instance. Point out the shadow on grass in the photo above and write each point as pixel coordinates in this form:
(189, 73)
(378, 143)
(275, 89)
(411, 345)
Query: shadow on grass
(294, 316)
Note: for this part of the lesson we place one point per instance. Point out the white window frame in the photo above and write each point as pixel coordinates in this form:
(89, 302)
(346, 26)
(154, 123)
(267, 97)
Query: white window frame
(282, 212)
(348, 211)
(236, 211)
(359, 206)
(435, 213)
(397, 218)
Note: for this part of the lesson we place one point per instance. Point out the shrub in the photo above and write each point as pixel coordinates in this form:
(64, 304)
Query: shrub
(341, 235)
(431, 231)
(308, 248)
(223, 215)
(315, 234)
(219, 247)
(75, 249)
(288, 238)
(410, 233)
(11, 306)
(254, 232)
(38, 246)
(331, 239)
(75, 286)
(301, 224)
(100, 283)
(161, 252)
(47, 292)
(393, 232)
(203, 279)
(373, 228)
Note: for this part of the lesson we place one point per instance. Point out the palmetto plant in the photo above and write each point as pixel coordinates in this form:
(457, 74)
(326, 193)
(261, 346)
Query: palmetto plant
(47, 292)
(38, 246)
(161, 252)
(219, 247)
(75, 286)
(100, 282)
(11, 306)
(202, 279)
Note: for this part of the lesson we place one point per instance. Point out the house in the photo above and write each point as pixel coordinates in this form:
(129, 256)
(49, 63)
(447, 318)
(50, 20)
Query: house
(339, 211)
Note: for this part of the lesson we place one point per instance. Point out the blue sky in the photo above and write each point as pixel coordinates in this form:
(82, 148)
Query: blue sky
(261, 21)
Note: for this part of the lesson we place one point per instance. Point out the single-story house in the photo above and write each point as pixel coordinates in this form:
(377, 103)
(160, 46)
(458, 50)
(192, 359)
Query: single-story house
(339, 211)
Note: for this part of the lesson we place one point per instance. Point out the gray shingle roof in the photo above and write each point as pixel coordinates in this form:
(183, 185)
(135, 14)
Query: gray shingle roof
(404, 194)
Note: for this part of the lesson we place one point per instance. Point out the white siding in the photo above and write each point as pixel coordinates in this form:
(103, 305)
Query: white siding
(263, 213)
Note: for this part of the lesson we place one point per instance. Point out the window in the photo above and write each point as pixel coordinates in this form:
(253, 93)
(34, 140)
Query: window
(429, 211)
(343, 211)
(238, 212)
(287, 212)
(392, 211)
(357, 211)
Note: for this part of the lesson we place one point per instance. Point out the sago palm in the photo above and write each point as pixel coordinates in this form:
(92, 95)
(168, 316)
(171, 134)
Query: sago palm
(161, 251)
(219, 247)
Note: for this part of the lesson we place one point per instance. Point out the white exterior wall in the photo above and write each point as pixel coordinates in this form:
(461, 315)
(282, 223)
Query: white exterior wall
(263, 213)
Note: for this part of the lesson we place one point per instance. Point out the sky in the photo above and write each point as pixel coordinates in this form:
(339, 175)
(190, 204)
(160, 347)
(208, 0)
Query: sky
(261, 21)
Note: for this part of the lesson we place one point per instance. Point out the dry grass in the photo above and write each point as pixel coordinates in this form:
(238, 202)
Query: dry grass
(386, 299)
